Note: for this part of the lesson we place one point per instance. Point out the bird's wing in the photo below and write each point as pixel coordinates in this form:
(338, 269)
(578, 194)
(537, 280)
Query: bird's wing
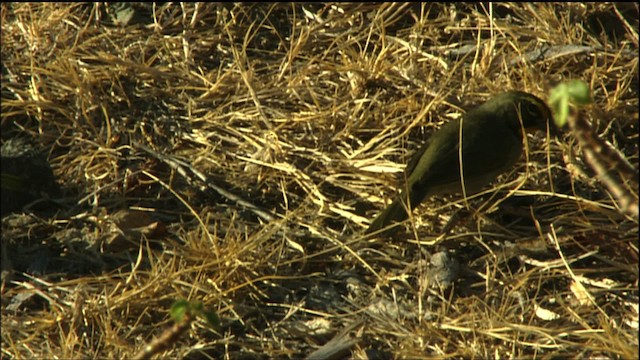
(488, 150)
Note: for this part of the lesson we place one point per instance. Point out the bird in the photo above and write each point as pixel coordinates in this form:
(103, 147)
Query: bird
(492, 142)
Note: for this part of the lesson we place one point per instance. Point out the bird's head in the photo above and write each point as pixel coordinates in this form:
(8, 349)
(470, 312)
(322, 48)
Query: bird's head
(523, 110)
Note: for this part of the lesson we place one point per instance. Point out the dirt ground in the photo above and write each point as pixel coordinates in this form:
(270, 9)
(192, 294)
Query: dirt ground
(233, 154)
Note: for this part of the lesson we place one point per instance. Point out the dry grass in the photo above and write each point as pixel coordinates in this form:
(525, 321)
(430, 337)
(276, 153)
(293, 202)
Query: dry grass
(232, 154)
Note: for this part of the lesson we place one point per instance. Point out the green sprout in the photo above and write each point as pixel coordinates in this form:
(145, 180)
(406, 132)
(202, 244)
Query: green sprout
(182, 308)
(574, 92)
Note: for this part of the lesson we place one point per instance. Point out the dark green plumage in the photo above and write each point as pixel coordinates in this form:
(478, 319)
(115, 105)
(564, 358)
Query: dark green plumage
(491, 144)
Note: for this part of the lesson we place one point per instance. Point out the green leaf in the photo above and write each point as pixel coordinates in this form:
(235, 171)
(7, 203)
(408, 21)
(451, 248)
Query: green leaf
(179, 309)
(212, 319)
(565, 95)
(579, 92)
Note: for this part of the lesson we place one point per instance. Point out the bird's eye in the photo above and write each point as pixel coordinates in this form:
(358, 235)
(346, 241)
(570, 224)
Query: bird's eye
(532, 109)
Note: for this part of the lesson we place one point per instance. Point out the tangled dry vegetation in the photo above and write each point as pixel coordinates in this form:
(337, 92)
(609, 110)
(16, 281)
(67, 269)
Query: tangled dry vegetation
(232, 154)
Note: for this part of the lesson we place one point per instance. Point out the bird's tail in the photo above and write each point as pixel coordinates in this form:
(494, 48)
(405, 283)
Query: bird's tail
(394, 213)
